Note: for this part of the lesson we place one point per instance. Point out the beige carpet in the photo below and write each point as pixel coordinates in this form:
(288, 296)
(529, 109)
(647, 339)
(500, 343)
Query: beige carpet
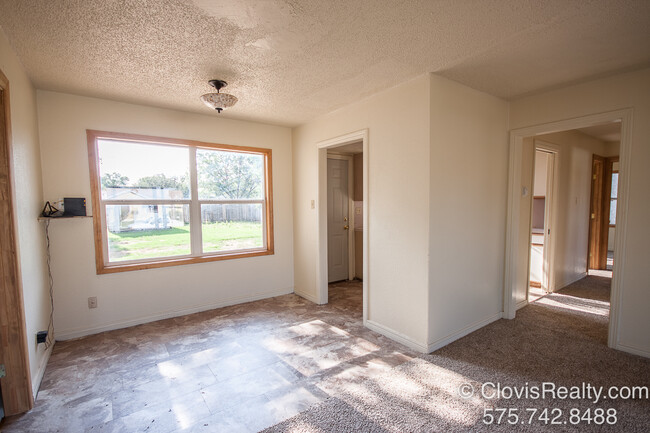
(560, 339)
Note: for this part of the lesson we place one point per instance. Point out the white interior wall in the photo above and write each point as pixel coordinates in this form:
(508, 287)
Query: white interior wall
(128, 298)
(629, 90)
(397, 121)
(468, 183)
(539, 190)
(358, 218)
(539, 187)
(526, 181)
(28, 202)
(613, 149)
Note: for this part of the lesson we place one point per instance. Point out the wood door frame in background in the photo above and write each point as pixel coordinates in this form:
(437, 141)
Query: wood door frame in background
(607, 195)
(596, 215)
(321, 250)
(351, 244)
(17, 392)
(514, 203)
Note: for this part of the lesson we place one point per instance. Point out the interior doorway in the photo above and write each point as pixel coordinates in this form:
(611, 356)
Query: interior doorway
(343, 214)
(574, 203)
(542, 218)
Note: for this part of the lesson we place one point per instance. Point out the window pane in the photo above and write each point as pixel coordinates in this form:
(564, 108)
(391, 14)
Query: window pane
(228, 227)
(224, 175)
(138, 232)
(614, 185)
(612, 212)
(137, 171)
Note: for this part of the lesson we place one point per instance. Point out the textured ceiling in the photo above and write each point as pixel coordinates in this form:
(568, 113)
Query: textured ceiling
(290, 60)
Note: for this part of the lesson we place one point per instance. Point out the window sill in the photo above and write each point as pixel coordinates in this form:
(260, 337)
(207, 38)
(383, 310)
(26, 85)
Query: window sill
(114, 268)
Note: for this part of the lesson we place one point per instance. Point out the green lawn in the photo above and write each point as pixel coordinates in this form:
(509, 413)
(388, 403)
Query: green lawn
(142, 244)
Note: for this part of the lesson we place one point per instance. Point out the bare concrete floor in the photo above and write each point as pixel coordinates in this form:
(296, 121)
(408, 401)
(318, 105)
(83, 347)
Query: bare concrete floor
(236, 369)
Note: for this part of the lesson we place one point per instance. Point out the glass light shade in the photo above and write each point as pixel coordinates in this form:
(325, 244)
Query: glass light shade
(218, 101)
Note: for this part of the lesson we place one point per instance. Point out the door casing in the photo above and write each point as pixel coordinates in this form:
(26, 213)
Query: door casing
(321, 270)
(514, 200)
(16, 385)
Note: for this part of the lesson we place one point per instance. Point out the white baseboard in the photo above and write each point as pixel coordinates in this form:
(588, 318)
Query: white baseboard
(521, 304)
(307, 296)
(36, 381)
(462, 332)
(397, 336)
(68, 334)
(633, 350)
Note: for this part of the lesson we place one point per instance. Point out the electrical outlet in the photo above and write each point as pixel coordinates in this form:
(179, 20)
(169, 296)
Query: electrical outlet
(92, 302)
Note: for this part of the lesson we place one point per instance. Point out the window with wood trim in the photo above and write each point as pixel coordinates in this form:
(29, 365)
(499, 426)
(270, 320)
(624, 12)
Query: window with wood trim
(613, 200)
(163, 202)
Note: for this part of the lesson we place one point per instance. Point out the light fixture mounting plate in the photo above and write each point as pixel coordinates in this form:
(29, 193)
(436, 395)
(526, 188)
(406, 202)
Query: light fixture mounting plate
(218, 84)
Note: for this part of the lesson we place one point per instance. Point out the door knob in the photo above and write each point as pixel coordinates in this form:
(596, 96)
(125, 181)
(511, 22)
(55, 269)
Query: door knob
(346, 227)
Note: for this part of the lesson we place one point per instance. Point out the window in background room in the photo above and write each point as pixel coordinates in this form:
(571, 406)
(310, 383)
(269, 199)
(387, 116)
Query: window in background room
(166, 202)
(613, 199)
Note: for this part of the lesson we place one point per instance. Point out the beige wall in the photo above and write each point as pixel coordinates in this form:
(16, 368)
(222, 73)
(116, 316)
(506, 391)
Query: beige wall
(28, 204)
(468, 185)
(358, 233)
(397, 122)
(526, 180)
(128, 298)
(358, 177)
(612, 148)
(423, 230)
(539, 184)
(630, 90)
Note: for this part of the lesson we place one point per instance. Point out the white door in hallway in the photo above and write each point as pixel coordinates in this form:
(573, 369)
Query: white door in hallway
(338, 222)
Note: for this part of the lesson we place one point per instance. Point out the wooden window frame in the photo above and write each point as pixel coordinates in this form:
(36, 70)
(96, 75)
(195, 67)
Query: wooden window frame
(99, 220)
(610, 194)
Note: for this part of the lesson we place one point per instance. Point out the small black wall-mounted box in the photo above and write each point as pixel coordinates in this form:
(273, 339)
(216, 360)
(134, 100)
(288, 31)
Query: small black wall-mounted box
(74, 207)
(41, 337)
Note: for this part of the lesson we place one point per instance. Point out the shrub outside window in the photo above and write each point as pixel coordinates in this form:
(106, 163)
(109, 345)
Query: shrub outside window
(163, 202)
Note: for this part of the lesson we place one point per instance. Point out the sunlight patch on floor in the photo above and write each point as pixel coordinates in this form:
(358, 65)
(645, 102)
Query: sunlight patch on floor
(590, 306)
(600, 273)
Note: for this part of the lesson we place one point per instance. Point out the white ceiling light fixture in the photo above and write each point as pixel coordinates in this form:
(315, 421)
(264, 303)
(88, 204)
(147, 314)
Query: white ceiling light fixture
(218, 101)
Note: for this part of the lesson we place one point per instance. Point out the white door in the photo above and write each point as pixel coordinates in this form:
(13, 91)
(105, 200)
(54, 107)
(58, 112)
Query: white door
(548, 219)
(338, 222)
